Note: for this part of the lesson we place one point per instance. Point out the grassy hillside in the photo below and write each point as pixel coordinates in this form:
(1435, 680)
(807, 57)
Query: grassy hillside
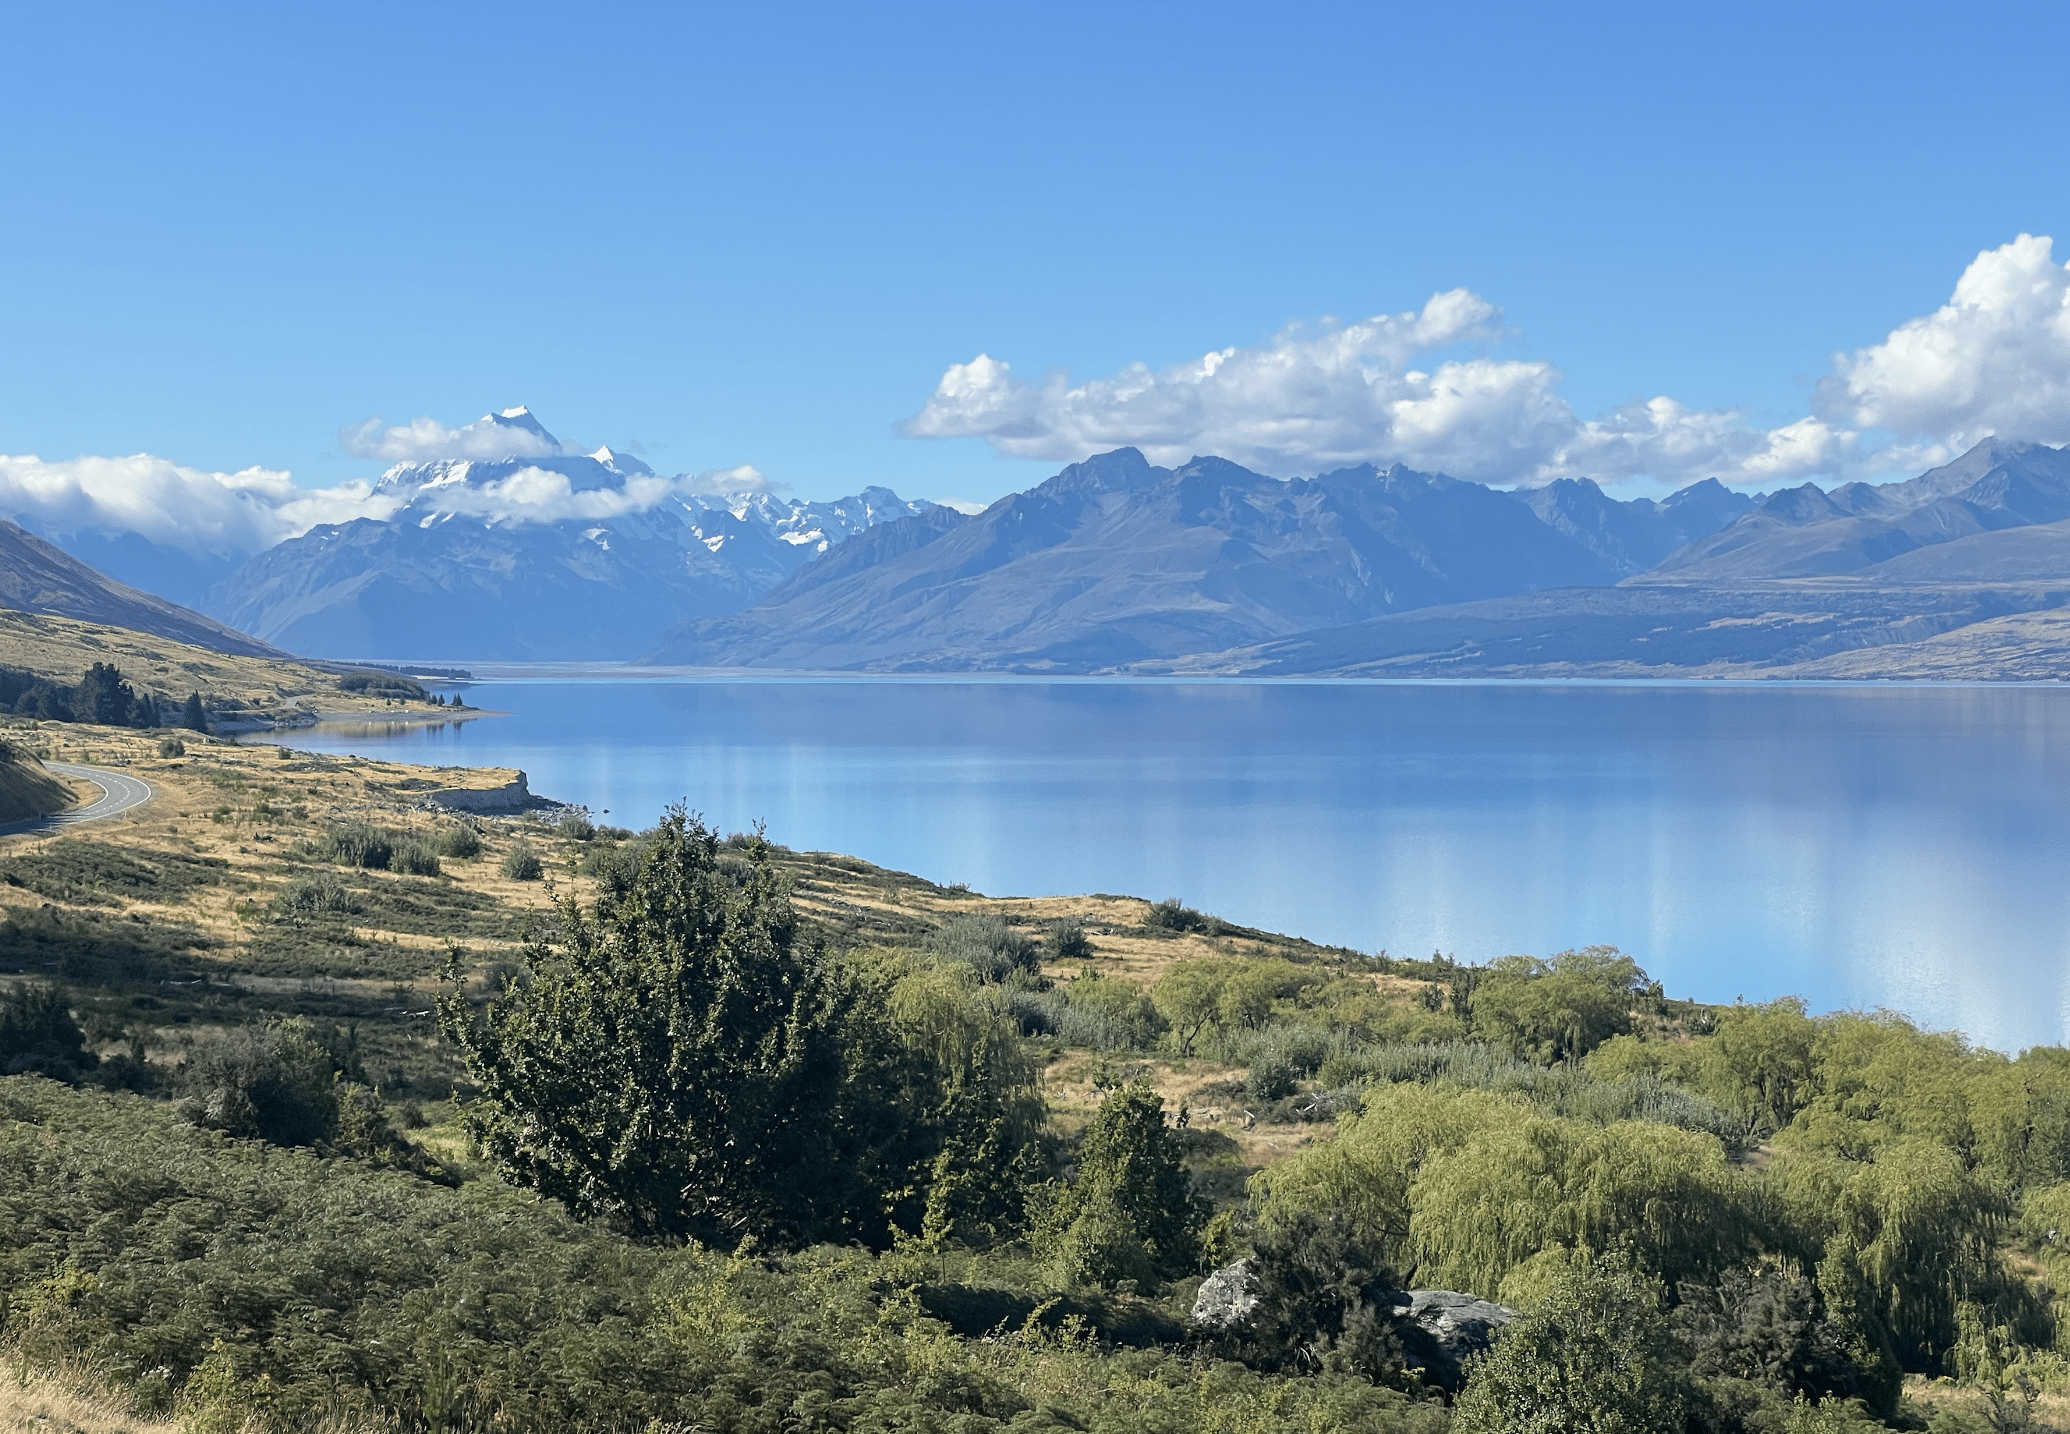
(39, 577)
(26, 790)
(262, 687)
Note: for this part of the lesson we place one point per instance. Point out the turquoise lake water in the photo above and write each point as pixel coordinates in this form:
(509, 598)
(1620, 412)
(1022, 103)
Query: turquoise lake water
(1858, 846)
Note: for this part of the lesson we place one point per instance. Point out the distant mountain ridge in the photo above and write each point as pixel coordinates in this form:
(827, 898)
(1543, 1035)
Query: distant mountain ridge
(1807, 532)
(1115, 561)
(1960, 573)
(1115, 565)
(39, 577)
(596, 570)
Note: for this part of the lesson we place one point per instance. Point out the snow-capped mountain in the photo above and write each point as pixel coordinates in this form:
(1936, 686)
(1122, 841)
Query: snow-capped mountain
(542, 553)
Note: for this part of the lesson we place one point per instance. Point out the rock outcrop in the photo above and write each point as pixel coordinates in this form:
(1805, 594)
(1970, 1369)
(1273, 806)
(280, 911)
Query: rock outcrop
(1454, 1327)
(509, 799)
(1226, 1298)
(1440, 1330)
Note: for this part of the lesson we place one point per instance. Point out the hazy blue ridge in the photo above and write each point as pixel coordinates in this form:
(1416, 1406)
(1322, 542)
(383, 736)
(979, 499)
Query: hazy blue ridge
(39, 577)
(1116, 565)
(1855, 529)
(1116, 561)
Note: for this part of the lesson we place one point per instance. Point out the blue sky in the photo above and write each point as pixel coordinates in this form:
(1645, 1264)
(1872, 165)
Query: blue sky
(761, 235)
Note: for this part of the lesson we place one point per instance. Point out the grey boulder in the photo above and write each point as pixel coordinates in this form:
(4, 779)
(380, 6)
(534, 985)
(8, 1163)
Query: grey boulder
(1226, 1298)
(1453, 1328)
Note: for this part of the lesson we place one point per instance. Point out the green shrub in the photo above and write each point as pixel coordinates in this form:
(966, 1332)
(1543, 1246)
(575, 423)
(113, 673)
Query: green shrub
(1171, 914)
(415, 857)
(989, 945)
(574, 825)
(460, 841)
(1131, 1214)
(315, 898)
(38, 1035)
(1068, 942)
(275, 1083)
(171, 747)
(1324, 1300)
(1596, 1355)
(521, 863)
(1273, 1077)
(358, 844)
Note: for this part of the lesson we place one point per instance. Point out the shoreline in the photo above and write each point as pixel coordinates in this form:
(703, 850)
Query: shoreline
(310, 720)
(607, 672)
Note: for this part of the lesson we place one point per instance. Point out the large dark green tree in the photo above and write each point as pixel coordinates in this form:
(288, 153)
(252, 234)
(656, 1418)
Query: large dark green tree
(103, 697)
(1131, 1214)
(679, 1060)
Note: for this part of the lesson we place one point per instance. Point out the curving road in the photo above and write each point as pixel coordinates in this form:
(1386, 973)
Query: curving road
(120, 792)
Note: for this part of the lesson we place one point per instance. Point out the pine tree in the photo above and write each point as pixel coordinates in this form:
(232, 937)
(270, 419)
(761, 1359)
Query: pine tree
(192, 716)
(103, 697)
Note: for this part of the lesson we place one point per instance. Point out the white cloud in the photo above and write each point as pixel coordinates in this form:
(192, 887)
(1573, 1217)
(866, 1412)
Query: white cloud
(1996, 359)
(199, 512)
(513, 433)
(542, 495)
(234, 515)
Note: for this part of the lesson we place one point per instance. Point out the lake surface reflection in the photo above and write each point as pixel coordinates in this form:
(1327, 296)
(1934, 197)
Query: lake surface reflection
(1858, 846)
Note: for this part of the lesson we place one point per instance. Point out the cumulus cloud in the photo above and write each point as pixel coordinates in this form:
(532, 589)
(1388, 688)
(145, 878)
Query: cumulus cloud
(1994, 360)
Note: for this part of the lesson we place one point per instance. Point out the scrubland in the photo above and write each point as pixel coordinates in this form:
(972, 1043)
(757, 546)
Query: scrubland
(330, 1111)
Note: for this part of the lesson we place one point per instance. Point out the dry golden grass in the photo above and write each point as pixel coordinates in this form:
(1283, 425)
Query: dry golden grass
(32, 1403)
(63, 648)
(1935, 1397)
(247, 803)
(73, 1396)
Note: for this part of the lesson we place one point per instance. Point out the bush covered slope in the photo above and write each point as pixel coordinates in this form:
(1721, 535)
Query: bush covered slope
(710, 1134)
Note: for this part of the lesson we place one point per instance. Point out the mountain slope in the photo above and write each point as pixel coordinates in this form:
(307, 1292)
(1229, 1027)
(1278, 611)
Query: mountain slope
(1805, 532)
(38, 577)
(1778, 627)
(541, 555)
(1115, 561)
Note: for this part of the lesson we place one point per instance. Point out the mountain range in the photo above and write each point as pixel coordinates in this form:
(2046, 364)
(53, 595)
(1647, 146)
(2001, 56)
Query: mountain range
(1962, 572)
(1115, 561)
(1118, 565)
(532, 557)
(1115, 565)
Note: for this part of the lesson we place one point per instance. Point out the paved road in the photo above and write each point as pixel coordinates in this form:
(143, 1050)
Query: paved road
(119, 793)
